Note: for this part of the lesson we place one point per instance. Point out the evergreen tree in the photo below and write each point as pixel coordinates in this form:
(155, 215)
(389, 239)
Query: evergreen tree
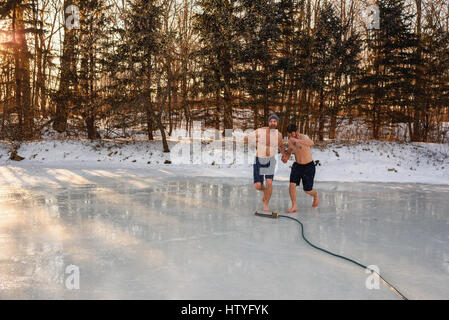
(135, 67)
(330, 53)
(261, 24)
(290, 23)
(385, 89)
(432, 91)
(217, 25)
(93, 25)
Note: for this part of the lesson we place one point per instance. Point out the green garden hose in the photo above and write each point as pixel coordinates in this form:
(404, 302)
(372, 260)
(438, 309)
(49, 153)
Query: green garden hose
(275, 215)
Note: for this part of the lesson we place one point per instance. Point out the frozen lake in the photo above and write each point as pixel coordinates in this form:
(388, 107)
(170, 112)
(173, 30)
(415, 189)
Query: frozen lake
(162, 237)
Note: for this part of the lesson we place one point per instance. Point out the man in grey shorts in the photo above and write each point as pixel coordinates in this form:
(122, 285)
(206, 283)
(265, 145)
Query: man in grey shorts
(267, 140)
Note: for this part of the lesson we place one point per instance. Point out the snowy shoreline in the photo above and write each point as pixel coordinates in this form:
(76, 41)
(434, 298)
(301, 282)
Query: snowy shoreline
(342, 161)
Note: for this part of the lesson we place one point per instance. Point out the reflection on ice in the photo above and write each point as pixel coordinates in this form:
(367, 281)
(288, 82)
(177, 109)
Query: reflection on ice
(197, 238)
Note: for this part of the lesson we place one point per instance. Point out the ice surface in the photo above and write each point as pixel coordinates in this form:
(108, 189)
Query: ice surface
(162, 236)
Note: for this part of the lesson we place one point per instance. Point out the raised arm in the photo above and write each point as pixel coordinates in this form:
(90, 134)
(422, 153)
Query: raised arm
(303, 139)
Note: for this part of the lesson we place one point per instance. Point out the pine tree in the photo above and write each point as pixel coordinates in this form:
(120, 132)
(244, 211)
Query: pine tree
(136, 67)
(261, 71)
(217, 25)
(433, 85)
(385, 89)
(327, 55)
(289, 20)
(93, 26)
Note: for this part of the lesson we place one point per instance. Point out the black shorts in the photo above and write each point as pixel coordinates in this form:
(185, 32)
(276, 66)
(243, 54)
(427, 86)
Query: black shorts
(304, 172)
(264, 167)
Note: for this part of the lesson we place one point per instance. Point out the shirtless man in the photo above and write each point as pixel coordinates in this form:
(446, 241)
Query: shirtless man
(267, 140)
(303, 168)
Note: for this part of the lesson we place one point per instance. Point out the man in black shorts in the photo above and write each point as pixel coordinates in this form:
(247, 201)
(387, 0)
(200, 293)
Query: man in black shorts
(304, 167)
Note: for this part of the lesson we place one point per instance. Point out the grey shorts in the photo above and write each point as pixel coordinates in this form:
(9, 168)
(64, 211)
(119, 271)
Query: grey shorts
(264, 167)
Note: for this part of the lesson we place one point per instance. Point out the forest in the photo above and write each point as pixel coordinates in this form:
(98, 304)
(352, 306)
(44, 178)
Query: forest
(100, 69)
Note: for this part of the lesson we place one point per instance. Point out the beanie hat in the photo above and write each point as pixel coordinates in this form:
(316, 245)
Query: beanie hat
(273, 116)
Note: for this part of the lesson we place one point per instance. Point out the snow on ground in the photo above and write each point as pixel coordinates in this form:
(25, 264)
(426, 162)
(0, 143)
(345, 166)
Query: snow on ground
(373, 161)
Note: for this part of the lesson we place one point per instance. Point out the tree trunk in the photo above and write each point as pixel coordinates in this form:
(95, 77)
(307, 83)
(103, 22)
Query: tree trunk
(333, 126)
(321, 117)
(68, 79)
(17, 74)
(22, 74)
(149, 118)
(227, 99)
(90, 124)
(417, 114)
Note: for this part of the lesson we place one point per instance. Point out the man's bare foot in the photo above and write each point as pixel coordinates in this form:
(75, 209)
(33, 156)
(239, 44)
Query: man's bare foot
(265, 206)
(293, 209)
(315, 202)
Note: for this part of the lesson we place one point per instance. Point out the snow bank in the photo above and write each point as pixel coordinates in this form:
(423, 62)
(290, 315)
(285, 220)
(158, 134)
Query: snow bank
(373, 161)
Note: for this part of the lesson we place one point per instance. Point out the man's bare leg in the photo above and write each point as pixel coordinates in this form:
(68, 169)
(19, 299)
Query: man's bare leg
(314, 194)
(267, 194)
(292, 190)
(260, 186)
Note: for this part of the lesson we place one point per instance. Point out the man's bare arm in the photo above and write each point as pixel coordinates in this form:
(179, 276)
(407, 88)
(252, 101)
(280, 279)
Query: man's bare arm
(304, 140)
(289, 150)
(281, 145)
